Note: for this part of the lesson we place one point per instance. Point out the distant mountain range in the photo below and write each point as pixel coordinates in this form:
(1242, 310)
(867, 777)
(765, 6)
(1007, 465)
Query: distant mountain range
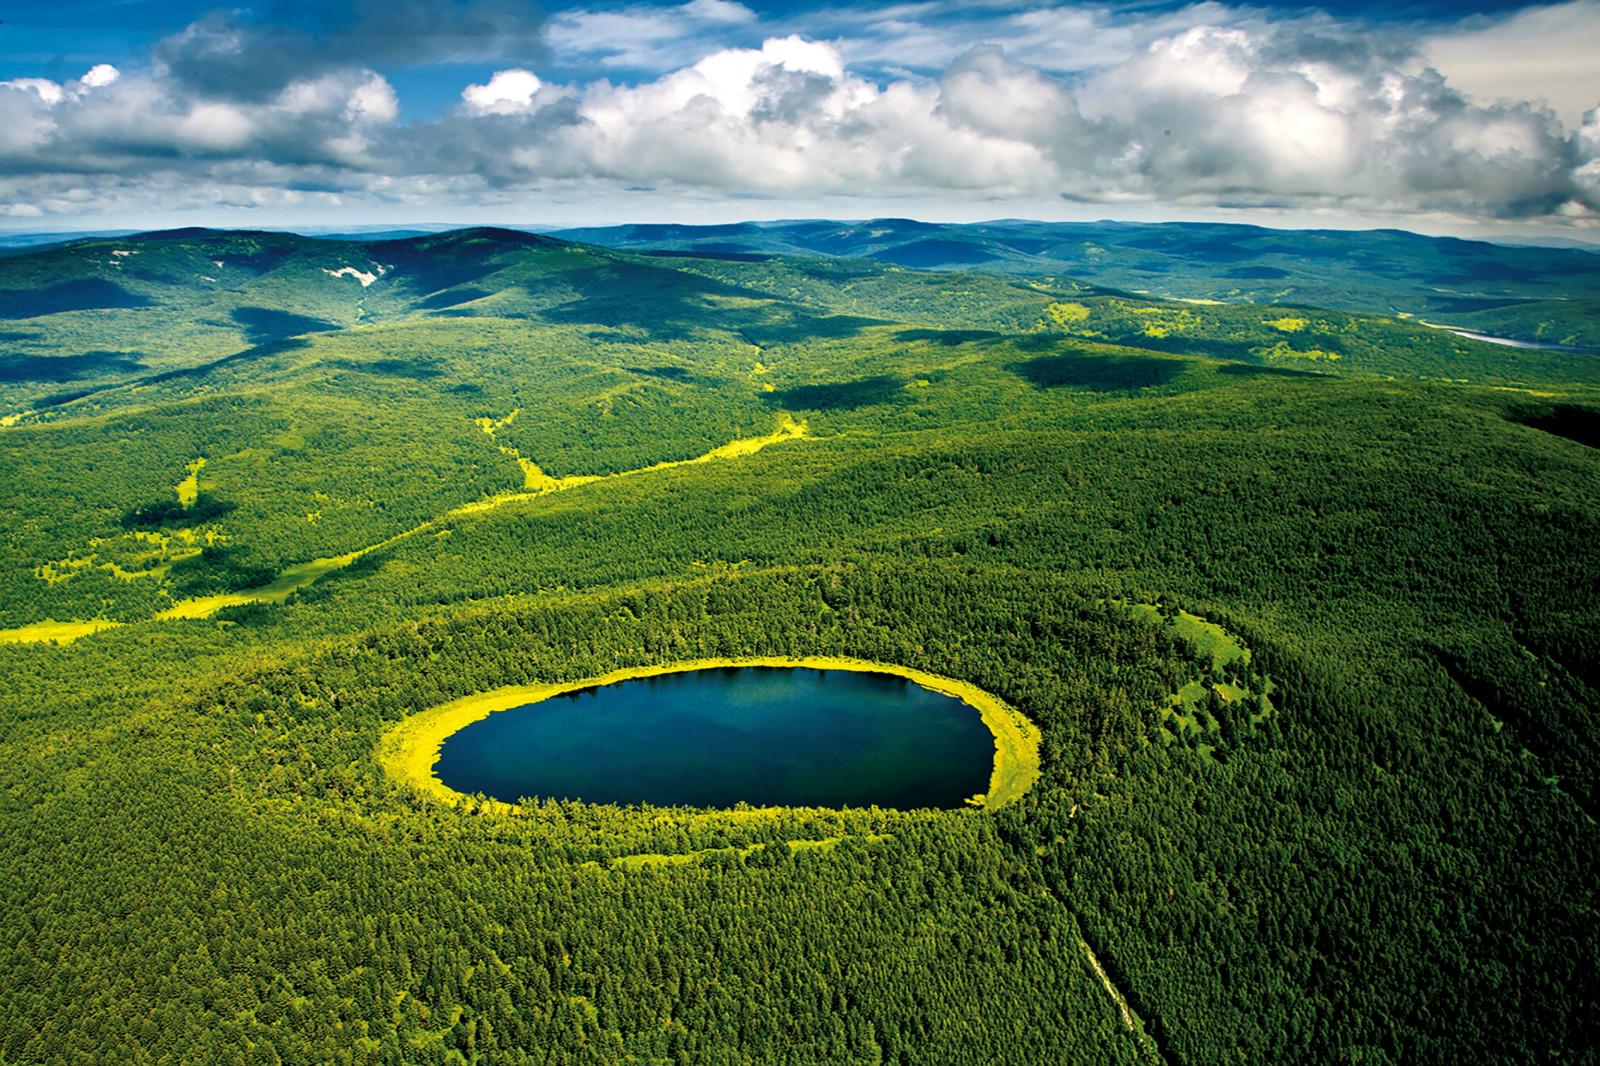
(1529, 293)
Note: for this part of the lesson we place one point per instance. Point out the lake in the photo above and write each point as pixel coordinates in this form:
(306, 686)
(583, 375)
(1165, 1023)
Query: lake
(1511, 343)
(779, 736)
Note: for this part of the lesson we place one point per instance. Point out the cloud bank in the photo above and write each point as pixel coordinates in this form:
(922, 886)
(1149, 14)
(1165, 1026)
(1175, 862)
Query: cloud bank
(1208, 106)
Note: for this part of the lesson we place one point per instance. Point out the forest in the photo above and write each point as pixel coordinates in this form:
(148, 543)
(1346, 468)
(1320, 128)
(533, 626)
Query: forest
(1302, 599)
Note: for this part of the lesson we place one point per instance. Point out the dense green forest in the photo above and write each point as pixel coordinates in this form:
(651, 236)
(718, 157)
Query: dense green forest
(1361, 831)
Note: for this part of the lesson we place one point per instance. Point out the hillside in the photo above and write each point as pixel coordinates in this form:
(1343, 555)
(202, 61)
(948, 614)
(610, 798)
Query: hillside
(86, 318)
(1550, 295)
(1299, 598)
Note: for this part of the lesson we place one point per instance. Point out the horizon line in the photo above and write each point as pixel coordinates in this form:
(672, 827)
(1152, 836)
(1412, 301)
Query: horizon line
(69, 234)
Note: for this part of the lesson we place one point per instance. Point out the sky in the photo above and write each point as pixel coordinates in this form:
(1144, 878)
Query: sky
(1430, 116)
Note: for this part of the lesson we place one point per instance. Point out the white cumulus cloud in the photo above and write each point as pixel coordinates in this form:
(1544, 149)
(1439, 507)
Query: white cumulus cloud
(1206, 106)
(1253, 113)
(100, 75)
(507, 92)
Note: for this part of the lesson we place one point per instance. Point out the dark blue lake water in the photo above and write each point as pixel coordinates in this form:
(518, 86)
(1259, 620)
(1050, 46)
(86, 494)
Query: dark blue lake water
(711, 738)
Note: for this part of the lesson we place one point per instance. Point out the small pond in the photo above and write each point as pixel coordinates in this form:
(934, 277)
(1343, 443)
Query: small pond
(782, 736)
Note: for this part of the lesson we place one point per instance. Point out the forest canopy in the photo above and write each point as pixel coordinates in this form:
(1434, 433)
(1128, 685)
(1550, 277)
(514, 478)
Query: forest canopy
(1300, 598)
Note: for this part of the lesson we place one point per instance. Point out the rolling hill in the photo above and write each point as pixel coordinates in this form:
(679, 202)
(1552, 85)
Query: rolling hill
(1530, 293)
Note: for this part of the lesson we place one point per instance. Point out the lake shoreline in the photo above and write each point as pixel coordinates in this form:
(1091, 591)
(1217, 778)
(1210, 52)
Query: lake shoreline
(409, 751)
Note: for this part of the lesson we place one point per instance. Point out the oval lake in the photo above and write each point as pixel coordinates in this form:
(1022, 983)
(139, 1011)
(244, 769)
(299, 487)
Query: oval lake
(779, 736)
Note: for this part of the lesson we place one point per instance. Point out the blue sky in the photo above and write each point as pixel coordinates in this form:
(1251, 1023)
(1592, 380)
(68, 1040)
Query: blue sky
(1428, 115)
(56, 40)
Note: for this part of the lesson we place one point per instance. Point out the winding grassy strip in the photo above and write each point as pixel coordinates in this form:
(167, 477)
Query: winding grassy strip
(52, 632)
(291, 580)
(540, 484)
(300, 575)
(409, 750)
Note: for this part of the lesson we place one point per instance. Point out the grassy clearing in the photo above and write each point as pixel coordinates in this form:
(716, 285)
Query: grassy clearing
(1283, 350)
(409, 750)
(53, 632)
(1066, 314)
(535, 482)
(138, 555)
(1207, 638)
(189, 487)
(1185, 715)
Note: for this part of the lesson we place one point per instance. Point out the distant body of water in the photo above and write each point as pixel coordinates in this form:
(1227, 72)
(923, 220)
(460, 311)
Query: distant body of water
(712, 738)
(1511, 343)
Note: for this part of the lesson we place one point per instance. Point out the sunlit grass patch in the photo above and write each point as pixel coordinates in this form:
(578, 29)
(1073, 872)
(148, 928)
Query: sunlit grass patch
(1210, 712)
(1282, 350)
(1287, 324)
(1064, 315)
(140, 554)
(50, 631)
(189, 487)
